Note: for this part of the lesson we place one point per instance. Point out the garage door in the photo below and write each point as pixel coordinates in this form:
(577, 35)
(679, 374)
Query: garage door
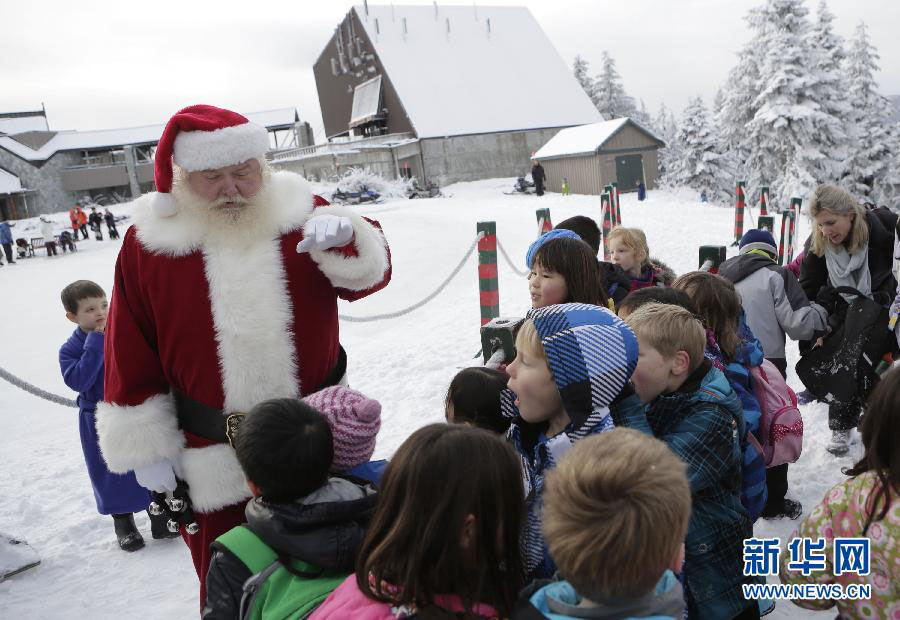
(629, 170)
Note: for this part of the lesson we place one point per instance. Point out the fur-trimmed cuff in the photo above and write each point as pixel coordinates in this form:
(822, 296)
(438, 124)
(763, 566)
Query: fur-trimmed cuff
(214, 477)
(134, 436)
(354, 273)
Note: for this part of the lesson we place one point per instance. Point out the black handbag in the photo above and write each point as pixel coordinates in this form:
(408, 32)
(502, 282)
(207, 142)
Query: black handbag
(843, 368)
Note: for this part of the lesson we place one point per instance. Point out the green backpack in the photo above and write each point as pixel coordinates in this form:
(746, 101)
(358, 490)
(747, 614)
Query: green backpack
(273, 592)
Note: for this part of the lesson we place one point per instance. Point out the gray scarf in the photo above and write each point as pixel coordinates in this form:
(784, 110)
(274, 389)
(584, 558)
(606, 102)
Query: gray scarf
(846, 269)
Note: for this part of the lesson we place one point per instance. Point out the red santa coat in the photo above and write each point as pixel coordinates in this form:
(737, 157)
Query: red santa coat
(229, 321)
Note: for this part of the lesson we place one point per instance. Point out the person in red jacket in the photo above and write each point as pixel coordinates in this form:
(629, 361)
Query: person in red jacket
(225, 295)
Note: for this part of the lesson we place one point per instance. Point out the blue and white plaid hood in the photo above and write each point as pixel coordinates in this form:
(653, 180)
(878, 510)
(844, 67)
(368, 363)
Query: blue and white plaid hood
(591, 352)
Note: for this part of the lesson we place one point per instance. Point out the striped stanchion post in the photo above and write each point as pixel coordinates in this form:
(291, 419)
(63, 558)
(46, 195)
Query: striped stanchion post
(608, 190)
(764, 200)
(792, 236)
(739, 212)
(781, 242)
(543, 221)
(488, 287)
(606, 209)
(617, 211)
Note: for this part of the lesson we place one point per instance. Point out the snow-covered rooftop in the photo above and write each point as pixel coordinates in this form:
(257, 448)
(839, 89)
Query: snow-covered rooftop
(9, 183)
(474, 69)
(104, 138)
(37, 122)
(586, 139)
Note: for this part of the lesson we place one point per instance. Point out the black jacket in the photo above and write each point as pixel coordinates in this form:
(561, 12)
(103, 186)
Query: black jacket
(324, 528)
(615, 281)
(537, 174)
(882, 223)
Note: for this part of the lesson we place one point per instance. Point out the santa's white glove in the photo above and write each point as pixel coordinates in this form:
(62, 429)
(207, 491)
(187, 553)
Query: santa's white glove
(325, 231)
(158, 477)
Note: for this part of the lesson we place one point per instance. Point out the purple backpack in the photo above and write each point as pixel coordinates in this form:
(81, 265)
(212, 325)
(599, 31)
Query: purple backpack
(780, 425)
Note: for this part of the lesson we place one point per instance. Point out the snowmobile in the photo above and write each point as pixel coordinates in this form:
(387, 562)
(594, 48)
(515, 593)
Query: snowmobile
(355, 198)
(431, 190)
(522, 186)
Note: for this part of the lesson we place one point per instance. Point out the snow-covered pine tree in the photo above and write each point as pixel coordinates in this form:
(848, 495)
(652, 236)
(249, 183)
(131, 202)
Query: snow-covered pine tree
(699, 165)
(727, 160)
(642, 116)
(873, 145)
(782, 134)
(581, 70)
(835, 114)
(665, 127)
(738, 109)
(611, 99)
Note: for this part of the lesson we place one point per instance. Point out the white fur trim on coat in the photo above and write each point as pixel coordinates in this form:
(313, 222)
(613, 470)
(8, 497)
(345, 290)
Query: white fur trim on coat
(229, 146)
(253, 317)
(356, 273)
(135, 436)
(288, 195)
(214, 477)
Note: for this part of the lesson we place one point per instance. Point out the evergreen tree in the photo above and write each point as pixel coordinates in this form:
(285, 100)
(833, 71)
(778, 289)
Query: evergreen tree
(610, 97)
(581, 71)
(665, 127)
(699, 165)
(873, 145)
(782, 134)
(830, 92)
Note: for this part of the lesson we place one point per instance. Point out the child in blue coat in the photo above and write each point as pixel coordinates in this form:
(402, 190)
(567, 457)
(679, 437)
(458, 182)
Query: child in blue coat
(81, 363)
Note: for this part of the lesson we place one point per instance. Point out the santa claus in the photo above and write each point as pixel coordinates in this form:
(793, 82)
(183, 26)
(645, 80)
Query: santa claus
(225, 295)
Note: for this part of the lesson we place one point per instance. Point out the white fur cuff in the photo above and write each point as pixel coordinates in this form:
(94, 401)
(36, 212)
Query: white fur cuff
(134, 436)
(229, 146)
(355, 273)
(214, 477)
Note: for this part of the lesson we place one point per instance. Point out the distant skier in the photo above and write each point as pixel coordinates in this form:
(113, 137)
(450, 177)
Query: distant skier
(641, 191)
(95, 219)
(538, 176)
(111, 224)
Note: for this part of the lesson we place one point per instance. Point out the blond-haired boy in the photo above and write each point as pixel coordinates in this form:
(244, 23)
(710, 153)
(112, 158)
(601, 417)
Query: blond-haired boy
(692, 407)
(616, 512)
(572, 362)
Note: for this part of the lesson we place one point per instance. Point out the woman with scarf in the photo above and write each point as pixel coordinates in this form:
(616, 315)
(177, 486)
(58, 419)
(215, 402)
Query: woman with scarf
(851, 247)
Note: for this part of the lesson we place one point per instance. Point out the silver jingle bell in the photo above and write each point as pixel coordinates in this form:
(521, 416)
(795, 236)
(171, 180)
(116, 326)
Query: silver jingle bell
(172, 525)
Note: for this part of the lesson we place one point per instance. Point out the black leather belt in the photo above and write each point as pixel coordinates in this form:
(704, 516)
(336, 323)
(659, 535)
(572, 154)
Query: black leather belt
(213, 424)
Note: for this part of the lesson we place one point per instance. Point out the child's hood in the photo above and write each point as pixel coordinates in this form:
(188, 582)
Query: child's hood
(560, 600)
(325, 528)
(591, 353)
(661, 271)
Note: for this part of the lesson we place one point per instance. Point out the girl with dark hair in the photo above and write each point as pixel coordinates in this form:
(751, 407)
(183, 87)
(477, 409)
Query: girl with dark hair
(866, 505)
(473, 398)
(444, 540)
(564, 270)
(734, 349)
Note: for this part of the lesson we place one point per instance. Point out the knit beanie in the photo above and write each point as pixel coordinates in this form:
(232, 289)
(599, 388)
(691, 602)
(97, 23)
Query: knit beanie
(591, 352)
(547, 236)
(756, 239)
(354, 420)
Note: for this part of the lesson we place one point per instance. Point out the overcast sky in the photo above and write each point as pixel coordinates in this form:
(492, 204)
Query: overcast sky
(119, 63)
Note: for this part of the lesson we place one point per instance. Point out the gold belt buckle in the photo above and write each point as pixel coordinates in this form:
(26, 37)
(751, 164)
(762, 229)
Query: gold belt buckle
(232, 424)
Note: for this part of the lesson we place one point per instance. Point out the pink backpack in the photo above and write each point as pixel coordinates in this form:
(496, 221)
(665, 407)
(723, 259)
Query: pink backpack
(780, 425)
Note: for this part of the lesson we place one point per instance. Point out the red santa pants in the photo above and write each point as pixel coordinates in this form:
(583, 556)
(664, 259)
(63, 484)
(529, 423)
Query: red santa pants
(212, 525)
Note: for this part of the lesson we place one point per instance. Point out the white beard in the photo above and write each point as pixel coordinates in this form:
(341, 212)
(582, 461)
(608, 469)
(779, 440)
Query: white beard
(250, 222)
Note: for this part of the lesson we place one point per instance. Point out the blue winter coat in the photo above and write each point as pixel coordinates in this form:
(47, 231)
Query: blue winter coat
(81, 363)
(700, 422)
(5, 233)
(559, 601)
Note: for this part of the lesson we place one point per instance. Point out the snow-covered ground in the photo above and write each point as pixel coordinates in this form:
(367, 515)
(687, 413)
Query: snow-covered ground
(406, 363)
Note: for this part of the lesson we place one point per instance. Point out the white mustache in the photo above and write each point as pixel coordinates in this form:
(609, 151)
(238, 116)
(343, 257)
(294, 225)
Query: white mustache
(233, 200)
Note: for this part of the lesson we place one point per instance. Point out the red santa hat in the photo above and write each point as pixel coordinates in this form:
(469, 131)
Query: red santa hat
(203, 137)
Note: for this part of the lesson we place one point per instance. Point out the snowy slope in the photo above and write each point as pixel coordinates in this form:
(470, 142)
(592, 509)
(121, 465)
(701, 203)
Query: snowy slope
(406, 363)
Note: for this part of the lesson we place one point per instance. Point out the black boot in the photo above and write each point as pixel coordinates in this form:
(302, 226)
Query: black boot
(129, 537)
(159, 526)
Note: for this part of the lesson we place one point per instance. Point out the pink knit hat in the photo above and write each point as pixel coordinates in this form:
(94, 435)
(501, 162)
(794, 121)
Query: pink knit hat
(354, 420)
